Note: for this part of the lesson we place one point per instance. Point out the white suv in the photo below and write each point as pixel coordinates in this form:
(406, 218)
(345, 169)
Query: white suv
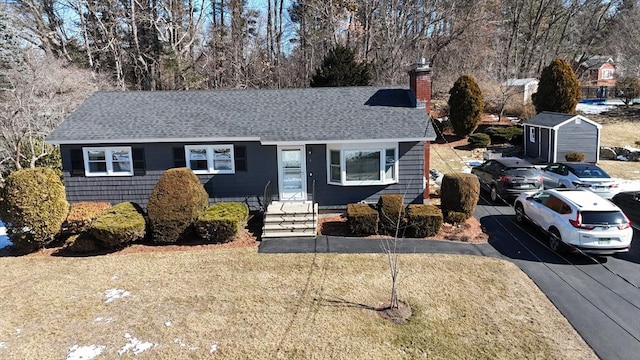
(577, 219)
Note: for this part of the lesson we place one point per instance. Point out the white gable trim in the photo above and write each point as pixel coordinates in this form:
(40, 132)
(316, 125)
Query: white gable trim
(557, 126)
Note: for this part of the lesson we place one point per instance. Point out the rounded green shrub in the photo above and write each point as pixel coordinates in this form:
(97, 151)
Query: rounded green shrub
(222, 221)
(81, 215)
(121, 224)
(459, 193)
(176, 202)
(35, 207)
(504, 134)
(479, 140)
(362, 219)
(559, 89)
(391, 213)
(466, 105)
(574, 156)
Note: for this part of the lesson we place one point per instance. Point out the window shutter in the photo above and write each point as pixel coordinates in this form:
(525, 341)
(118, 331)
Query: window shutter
(138, 162)
(77, 162)
(178, 157)
(240, 154)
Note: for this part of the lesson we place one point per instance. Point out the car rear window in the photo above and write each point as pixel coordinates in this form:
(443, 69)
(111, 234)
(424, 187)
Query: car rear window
(526, 172)
(589, 172)
(602, 217)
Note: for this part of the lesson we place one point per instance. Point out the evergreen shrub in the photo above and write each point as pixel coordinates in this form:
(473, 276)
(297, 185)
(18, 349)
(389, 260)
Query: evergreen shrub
(121, 224)
(391, 212)
(81, 215)
(82, 243)
(362, 219)
(455, 217)
(504, 134)
(222, 221)
(459, 193)
(466, 105)
(574, 156)
(176, 202)
(479, 140)
(423, 220)
(34, 208)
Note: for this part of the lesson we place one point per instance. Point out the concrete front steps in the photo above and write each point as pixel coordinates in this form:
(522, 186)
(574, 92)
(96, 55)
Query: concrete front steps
(290, 219)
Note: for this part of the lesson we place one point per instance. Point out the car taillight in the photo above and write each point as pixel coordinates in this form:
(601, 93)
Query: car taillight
(577, 223)
(613, 185)
(627, 223)
(505, 179)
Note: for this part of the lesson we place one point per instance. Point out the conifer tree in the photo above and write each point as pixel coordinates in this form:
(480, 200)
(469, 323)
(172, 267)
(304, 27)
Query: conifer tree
(339, 68)
(466, 105)
(559, 89)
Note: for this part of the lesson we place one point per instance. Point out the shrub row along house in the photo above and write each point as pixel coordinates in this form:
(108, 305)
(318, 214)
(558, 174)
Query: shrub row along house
(330, 146)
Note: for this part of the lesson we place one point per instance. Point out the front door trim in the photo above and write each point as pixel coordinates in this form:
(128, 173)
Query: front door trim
(287, 193)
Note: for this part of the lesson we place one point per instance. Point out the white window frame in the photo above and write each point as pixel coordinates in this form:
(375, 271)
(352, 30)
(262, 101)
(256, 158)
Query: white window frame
(108, 151)
(607, 74)
(379, 147)
(532, 134)
(210, 149)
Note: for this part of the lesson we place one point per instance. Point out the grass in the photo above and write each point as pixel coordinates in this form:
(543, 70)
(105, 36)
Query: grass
(303, 306)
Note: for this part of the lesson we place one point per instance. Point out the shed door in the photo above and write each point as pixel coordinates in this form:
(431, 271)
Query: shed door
(292, 173)
(545, 144)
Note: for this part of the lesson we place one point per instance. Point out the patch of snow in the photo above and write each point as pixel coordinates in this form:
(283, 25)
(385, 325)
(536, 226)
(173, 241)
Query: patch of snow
(622, 158)
(4, 239)
(113, 294)
(84, 352)
(167, 323)
(135, 345)
(632, 149)
(214, 348)
(182, 344)
(18, 330)
(593, 108)
(3, 345)
(114, 278)
(103, 320)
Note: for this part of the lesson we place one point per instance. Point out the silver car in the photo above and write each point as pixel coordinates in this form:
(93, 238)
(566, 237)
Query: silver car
(577, 220)
(572, 175)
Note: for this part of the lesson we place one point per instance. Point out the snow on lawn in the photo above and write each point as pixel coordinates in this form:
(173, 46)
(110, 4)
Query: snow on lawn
(594, 108)
(113, 294)
(3, 345)
(4, 239)
(135, 345)
(84, 352)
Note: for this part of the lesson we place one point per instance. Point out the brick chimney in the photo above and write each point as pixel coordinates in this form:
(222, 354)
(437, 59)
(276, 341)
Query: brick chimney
(420, 83)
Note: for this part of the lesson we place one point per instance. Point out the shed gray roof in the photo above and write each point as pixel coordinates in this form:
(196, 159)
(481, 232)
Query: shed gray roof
(271, 116)
(550, 119)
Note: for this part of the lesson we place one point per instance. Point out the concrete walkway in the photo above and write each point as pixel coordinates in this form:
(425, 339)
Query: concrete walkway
(354, 245)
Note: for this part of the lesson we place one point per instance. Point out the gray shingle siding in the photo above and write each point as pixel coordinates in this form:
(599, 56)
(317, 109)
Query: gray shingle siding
(244, 186)
(581, 137)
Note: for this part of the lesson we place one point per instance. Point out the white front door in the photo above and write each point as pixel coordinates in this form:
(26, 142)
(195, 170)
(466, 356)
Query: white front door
(292, 173)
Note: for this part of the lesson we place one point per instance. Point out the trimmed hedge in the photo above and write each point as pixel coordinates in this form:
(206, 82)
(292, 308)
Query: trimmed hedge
(176, 202)
(362, 219)
(121, 224)
(504, 134)
(81, 215)
(222, 221)
(574, 156)
(479, 140)
(459, 193)
(82, 243)
(34, 208)
(455, 217)
(424, 220)
(391, 211)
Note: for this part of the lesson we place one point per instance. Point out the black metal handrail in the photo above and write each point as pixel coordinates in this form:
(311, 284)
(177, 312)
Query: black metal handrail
(313, 198)
(268, 197)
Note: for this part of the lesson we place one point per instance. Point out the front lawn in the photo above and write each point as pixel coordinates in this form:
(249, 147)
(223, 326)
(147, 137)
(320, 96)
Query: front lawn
(237, 304)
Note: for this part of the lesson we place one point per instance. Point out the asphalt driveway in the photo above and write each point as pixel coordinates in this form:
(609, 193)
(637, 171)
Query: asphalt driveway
(600, 298)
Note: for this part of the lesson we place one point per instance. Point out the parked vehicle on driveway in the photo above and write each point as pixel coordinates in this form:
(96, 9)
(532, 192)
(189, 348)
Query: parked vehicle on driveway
(508, 177)
(573, 175)
(577, 219)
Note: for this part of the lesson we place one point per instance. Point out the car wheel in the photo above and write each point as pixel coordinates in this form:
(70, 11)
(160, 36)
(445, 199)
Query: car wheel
(520, 217)
(555, 241)
(493, 194)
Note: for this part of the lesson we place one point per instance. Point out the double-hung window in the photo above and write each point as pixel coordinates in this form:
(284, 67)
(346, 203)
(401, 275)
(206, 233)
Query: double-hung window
(107, 161)
(210, 159)
(374, 164)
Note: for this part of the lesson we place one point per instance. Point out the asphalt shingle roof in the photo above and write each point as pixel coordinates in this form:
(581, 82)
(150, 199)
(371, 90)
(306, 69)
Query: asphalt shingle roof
(311, 114)
(549, 119)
